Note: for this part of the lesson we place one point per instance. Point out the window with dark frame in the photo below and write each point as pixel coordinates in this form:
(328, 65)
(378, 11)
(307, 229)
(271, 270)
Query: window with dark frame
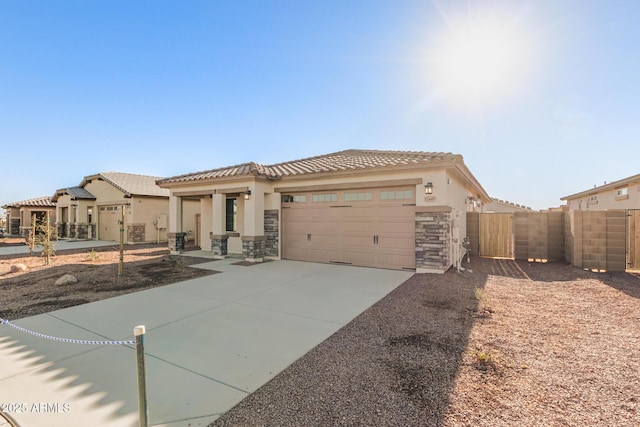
(231, 209)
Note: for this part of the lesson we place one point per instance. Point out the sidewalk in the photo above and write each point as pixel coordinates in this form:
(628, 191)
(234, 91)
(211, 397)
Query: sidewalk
(59, 245)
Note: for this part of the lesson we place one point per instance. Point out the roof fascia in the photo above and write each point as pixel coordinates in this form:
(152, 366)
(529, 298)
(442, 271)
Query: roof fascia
(610, 186)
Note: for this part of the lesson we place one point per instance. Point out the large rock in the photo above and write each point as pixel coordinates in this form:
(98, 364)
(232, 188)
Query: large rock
(67, 279)
(18, 268)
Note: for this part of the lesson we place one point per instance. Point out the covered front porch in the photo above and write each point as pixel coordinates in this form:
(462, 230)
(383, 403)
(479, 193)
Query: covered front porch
(239, 219)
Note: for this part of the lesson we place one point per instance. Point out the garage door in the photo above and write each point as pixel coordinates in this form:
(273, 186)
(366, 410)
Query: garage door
(364, 227)
(108, 223)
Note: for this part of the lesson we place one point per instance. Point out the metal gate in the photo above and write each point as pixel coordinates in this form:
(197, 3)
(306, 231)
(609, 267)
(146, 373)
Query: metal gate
(496, 235)
(633, 239)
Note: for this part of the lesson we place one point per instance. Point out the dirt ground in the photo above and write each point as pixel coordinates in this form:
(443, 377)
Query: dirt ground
(34, 291)
(505, 344)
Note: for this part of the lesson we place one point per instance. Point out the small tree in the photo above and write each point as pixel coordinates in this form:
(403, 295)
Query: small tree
(44, 237)
(31, 236)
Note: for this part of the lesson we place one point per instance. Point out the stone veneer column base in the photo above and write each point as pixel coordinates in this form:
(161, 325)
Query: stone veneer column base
(219, 245)
(432, 240)
(271, 225)
(254, 248)
(176, 242)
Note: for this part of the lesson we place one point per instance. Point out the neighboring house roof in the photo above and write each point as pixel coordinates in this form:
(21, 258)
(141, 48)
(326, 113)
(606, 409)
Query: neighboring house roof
(511, 204)
(348, 160)
(610, 186)
(76, 193)
(130, 184)
(43, 202)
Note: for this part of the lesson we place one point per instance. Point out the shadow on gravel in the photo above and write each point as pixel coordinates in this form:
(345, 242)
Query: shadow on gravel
(394, 365)
(626, 282)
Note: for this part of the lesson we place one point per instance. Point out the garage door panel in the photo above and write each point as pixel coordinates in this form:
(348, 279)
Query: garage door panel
(361, 258)
(108, 223)
(375, 233)
(324, 255)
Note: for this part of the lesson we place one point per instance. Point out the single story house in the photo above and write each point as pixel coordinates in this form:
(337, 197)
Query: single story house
(95, 208)
(621, 194)
(19, 214)
(388, 209)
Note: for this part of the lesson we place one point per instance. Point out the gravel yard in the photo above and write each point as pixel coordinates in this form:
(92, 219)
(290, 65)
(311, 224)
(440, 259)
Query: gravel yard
(508, 344)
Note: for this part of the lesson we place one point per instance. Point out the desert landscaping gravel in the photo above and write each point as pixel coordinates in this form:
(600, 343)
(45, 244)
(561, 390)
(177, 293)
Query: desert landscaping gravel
(503, 343)
(506, 344)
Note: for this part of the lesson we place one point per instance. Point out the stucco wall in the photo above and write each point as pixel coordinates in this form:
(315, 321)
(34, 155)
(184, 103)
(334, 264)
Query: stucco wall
(608, 199)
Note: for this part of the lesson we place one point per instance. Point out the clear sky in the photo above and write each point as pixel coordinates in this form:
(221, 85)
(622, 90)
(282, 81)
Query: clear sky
(540, 97)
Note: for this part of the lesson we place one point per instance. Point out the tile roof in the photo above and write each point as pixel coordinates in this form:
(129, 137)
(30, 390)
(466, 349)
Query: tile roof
(76, 193)
(508, 203)
(348, 160)
(131, 184)
(44, 202)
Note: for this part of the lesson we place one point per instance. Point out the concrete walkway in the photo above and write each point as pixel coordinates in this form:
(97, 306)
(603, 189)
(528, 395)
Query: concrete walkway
(210, 342)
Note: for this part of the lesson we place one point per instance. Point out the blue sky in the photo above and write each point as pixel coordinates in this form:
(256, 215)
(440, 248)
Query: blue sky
(166, 88)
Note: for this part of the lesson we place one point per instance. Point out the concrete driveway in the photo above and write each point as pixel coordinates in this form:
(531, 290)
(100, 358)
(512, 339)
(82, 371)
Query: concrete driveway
(210, 342)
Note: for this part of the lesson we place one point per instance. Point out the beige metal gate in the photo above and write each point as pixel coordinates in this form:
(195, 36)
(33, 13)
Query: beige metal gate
(633, 239)
(496, 235)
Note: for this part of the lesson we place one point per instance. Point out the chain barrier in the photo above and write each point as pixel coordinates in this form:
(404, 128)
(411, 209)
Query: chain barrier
(66, 340)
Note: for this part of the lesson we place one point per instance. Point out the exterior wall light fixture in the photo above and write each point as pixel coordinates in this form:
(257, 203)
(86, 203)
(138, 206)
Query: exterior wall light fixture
(428, 189)
(247, 194)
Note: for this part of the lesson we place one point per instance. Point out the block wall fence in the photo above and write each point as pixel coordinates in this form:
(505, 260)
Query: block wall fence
(586, 239)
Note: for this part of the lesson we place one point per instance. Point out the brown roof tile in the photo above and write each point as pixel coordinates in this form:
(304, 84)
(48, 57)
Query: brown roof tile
(131, 184)
(334, 162)
(44, 202)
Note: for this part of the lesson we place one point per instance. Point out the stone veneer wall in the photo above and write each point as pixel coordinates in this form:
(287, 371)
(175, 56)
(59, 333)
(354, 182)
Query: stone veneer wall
(219, 244)
(254, 248)
(14, 226)
(82, 231)
(271, 232)
(433, 241)
(136, 233)
(175, 241)
(62, 229)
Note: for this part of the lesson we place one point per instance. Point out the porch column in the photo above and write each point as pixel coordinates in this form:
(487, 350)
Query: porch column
(253, 239)
(175, 236)
(218, 233)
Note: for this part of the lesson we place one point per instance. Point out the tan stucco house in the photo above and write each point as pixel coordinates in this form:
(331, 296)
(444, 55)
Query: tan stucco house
(621, 194)
(94, 209)
(389, 209)
(19, 214)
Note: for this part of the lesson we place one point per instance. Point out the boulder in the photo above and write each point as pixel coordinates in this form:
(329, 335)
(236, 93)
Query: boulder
(17, 268)
(67, 279)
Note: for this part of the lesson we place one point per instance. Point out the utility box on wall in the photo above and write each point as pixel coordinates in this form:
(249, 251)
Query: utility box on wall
(161, 221)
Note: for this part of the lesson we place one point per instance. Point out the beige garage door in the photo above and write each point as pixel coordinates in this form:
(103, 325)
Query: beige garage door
(108, 223)
(370, 227)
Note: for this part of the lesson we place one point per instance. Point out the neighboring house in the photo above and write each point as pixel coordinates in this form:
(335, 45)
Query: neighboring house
(621, 194)
(94, 209)
(19, 215)
(503, 206)
(389, 209)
